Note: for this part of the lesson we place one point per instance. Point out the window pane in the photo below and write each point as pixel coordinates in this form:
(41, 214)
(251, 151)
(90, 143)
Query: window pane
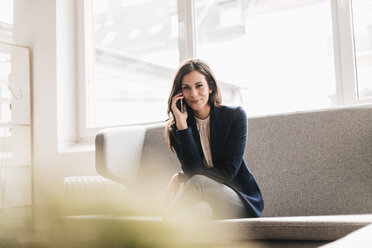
(281, 52)
(362, 22)
(6, 20)
(5, 94)
(136, 55)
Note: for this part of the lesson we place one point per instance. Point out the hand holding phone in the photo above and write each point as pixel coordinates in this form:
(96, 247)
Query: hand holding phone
(178, 111)
(180, 105)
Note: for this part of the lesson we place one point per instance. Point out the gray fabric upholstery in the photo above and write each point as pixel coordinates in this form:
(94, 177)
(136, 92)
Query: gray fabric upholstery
(119, 151)
(313, 163)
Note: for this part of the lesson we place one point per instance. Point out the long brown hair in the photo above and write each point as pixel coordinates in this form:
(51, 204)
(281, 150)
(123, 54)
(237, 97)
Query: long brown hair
(214, 99)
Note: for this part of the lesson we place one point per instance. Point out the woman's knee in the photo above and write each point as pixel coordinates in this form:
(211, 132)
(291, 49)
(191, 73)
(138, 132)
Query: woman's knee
(201, 184)
(197, 180)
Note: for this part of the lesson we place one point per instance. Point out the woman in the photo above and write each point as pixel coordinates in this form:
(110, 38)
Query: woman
(209, 140)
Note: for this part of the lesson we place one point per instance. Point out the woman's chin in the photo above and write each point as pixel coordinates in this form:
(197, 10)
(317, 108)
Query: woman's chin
(195, 108)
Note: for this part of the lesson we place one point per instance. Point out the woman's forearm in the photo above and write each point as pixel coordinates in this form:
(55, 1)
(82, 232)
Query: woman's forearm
(181, 125)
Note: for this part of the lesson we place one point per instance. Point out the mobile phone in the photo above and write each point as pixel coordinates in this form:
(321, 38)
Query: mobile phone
(180, 105)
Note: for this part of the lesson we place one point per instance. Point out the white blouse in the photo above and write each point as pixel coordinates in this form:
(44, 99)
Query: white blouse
(203, 127)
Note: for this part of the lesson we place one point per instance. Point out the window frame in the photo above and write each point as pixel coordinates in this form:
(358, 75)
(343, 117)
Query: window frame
(84, 42)
(343, 45)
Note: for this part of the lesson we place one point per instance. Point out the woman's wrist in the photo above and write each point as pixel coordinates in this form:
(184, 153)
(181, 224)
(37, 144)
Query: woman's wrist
(181, 125)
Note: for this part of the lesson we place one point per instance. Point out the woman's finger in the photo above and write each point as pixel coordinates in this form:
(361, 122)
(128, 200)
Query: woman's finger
(175, 99)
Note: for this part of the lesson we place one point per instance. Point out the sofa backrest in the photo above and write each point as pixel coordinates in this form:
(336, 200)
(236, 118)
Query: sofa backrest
(313, 163)
(118, 152)
(306, 163)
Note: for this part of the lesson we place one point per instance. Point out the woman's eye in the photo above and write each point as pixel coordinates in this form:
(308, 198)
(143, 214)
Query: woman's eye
(185, 88)
(199, 85)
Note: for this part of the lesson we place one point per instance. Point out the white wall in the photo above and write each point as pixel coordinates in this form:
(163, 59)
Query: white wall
(48, 28)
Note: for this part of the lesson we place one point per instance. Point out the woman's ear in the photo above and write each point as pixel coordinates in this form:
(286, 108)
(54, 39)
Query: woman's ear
(211, 85)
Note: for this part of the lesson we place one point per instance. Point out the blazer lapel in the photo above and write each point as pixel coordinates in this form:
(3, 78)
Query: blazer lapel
(214, 131)
(195, 133)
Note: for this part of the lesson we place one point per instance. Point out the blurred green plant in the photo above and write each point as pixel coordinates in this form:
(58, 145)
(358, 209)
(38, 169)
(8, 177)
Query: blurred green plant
(122, 220)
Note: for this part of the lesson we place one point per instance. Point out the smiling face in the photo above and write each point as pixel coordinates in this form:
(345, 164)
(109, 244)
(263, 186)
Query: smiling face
(195, 90)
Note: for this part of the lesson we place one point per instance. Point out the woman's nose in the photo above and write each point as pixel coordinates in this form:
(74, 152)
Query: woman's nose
(193, 92)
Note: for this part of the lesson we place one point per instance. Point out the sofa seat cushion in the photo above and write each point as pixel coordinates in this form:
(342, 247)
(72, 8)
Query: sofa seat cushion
(307, 228)
(315, 228)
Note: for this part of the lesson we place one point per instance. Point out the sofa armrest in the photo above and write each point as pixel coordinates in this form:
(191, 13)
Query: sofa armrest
(119, 151)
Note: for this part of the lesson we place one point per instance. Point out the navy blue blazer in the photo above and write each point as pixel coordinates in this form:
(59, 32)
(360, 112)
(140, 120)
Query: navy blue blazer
(228, 137)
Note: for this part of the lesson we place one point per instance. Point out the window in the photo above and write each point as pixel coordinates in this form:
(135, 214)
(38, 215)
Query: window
(270, 56)
(362, 24)
(6, 34)
(134, 58)
(5, 96)
(6, 20)
(277, 50)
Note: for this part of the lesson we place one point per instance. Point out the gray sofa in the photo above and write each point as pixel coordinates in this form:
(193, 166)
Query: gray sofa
(314, 169)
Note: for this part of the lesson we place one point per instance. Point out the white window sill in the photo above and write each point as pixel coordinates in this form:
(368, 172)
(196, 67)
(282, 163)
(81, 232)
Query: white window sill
(86, 146)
